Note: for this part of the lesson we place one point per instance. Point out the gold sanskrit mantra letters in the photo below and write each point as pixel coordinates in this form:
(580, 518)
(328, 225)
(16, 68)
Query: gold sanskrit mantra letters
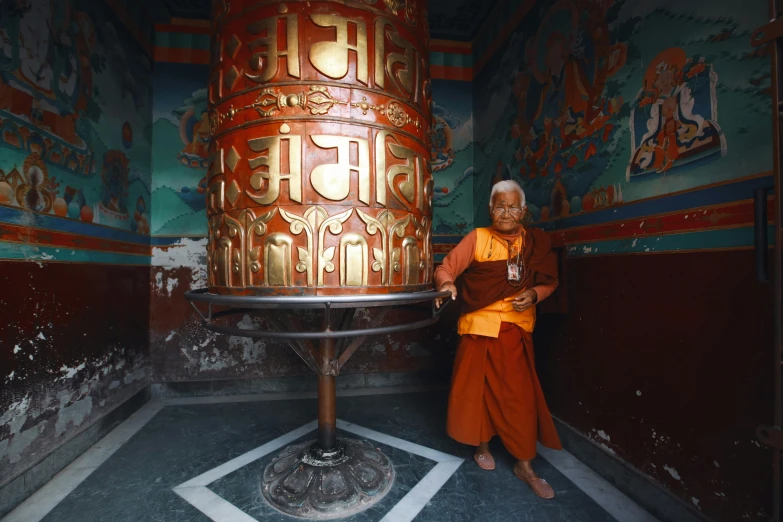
(267, 167)
(401, 68)
(333, 181)
(266, 56)
(331, 58)
(411, 190)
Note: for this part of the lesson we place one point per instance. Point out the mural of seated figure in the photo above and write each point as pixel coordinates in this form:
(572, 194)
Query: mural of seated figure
(674, 116)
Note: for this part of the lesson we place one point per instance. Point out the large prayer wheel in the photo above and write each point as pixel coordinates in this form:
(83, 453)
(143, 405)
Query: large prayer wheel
(319, 181)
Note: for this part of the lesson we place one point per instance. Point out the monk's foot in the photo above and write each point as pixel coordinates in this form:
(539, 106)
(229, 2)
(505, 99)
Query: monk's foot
(539, 486)
(485, 461)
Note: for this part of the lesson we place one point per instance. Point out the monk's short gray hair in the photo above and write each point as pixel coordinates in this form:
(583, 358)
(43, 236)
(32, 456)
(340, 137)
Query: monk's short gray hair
(504, 186)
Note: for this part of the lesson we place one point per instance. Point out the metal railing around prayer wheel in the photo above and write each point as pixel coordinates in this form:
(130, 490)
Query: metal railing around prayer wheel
(319, 196)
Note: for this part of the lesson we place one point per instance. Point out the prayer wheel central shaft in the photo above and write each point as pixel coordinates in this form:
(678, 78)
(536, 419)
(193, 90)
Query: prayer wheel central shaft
(327, 414)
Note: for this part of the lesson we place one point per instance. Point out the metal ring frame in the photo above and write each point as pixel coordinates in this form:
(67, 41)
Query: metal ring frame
(246, 304)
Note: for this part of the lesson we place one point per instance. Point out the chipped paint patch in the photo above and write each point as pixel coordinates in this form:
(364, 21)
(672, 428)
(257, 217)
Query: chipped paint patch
(74, 395)
(171, 284)
(138, 375)
(672, 472)
(68, 373)
(187, 253)
(607, 448)
(73, 415)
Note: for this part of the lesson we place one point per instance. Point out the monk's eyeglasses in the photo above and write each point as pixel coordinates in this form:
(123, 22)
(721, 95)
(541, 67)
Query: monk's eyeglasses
(499, 211)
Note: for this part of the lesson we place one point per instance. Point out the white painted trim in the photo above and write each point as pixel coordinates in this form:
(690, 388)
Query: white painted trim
(213, 505)
(596, 487)
(417, 498)
(40, 503)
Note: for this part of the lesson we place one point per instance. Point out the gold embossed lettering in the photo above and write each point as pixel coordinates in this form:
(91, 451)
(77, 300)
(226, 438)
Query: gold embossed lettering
(266, 56)
(215, 197)
(406, 76)
(333, 180)
(269, 168)
(412, 169)
(331, 58)
(412, 187)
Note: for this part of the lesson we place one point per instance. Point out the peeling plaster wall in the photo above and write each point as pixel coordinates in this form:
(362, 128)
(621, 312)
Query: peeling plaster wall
(182, 350)
(73, 346)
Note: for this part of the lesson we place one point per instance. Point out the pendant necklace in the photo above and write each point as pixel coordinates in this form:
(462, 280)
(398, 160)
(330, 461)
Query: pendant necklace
(515, 271)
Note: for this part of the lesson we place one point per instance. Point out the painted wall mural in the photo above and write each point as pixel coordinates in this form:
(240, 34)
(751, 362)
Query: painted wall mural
(674, 117)
(75, 95)
(595, 104)
(451, 157)
(179, 155)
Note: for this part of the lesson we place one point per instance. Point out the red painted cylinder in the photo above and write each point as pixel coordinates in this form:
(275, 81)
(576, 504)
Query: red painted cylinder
(319, 181)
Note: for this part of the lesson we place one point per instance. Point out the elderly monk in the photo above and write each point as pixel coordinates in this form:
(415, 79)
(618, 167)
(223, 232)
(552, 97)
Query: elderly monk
(500, 273)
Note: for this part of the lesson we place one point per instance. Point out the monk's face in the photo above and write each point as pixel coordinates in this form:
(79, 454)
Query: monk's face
(506, 212)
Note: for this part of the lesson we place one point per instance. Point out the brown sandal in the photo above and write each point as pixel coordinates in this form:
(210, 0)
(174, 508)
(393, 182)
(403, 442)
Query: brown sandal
(485, 461)
(539, 486)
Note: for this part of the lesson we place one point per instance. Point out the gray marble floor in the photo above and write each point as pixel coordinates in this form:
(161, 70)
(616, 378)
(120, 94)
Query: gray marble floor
(132, 477)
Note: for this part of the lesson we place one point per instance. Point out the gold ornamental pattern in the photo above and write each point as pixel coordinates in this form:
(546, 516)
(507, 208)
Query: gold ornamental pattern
(302, 101)
(309, 246)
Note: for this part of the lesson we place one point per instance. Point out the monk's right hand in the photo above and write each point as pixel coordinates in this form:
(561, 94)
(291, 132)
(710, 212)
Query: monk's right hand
(451, 287)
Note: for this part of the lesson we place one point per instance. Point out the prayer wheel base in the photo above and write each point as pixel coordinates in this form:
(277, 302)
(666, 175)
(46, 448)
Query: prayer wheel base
(307, 482)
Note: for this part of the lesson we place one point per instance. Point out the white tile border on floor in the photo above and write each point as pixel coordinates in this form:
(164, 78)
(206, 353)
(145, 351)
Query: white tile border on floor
(195, 490)
(615, 502)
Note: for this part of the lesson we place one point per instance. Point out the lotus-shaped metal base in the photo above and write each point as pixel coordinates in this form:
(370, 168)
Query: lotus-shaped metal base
(305, 481)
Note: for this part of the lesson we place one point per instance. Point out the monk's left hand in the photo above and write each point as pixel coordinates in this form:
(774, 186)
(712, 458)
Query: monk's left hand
(525, 300)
